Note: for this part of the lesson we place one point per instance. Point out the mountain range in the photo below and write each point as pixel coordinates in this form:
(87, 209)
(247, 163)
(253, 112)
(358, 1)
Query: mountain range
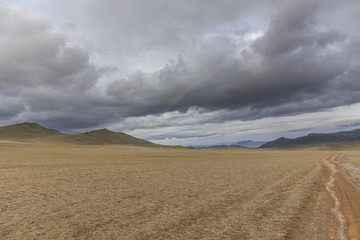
(246, 143)
(33, 132)
(316, 139)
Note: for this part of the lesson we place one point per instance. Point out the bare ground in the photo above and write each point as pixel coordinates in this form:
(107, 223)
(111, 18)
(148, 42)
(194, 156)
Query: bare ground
(334, 211)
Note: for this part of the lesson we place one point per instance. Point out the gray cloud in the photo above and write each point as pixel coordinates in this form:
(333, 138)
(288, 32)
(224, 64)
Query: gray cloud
(155, 23)
(298, 65)
(35, 54)
(40, 71)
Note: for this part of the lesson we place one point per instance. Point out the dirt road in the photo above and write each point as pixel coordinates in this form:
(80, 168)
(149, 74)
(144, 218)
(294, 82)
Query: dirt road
(334, 212)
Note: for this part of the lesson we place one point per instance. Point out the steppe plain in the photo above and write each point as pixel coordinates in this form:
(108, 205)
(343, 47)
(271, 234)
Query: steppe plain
(64, 191)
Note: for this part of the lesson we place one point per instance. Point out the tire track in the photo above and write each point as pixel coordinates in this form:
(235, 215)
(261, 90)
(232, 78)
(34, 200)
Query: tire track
(334, 212)
(330, 187)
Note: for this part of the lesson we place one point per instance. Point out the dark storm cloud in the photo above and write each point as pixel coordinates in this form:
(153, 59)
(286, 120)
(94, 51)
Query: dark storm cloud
(41, 73)
(34, 53)
(157, 24)
(150, 92)
(298, 65)
(10, 107)
(302, 60)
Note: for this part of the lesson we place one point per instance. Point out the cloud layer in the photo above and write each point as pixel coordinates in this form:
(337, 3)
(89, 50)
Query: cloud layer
(121, 60)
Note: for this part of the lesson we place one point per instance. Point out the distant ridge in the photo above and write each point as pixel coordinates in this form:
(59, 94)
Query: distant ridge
(316, 139)
(246, 144)
(33, 132)
(250, 143)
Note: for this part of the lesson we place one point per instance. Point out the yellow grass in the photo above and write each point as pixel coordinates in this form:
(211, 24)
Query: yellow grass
(114, 192)
(352, 157)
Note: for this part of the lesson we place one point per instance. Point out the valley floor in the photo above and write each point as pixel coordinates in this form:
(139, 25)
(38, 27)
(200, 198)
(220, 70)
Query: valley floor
(122, 192)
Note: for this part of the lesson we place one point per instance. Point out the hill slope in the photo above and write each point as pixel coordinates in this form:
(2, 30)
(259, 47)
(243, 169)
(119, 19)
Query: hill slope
(105, 136)
(26, 131)
(316, 139)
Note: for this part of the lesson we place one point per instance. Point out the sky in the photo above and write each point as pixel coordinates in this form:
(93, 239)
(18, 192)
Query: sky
(182, 72)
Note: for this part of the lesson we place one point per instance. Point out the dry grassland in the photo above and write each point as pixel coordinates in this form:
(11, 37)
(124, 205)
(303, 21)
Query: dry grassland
(114, 192)
(351, 165)
(352, 157)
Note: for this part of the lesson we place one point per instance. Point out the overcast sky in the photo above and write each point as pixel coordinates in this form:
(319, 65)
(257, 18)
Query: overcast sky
(182, 72)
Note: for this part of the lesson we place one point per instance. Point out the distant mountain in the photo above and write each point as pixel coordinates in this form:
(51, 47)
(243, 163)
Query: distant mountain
(33, 132)
(316, 139)
(247, 144)
(26, 131)
(250, 144)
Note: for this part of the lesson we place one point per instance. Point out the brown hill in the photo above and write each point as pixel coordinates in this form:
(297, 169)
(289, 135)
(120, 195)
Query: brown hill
(26, 131)
(33, 132)
(105, 136)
